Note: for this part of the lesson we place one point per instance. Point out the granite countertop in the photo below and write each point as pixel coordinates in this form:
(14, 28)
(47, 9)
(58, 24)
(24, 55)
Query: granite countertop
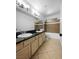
(18, 40)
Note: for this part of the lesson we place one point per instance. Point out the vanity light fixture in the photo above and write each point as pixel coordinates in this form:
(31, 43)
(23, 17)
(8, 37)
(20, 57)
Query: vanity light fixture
(34, 12)
(20, 2)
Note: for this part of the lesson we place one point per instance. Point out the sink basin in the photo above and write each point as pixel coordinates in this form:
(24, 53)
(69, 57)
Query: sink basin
(24, 35)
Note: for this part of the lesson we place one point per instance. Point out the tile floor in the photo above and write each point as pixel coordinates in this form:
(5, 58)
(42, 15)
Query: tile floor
(51, 49)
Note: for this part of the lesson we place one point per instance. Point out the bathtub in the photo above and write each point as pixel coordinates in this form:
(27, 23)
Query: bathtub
(50, 35)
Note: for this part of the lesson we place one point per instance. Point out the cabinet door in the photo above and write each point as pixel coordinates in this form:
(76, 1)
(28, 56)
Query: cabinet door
(43, 36)
(23, 53)
(34, 45)
(26, 42)
(19, 46)
(40, 39)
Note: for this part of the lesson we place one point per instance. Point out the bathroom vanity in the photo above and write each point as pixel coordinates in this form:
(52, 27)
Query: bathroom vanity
(26, 47)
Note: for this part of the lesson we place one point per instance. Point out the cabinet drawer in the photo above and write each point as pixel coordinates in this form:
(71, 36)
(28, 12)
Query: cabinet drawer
(26, 42)
(19, 46)
(36, 37)
(43, 34)
(40, 35)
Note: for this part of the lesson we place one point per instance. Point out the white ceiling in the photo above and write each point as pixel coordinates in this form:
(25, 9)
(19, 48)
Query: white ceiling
(46, 7)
